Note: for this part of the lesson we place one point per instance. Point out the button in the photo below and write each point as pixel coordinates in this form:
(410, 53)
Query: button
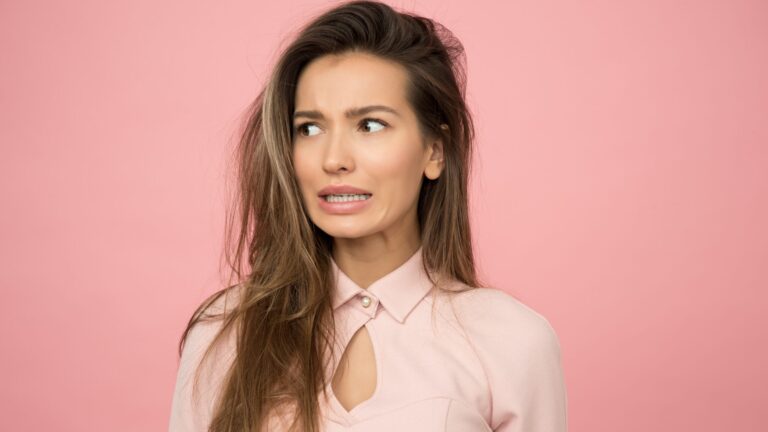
(366, 301)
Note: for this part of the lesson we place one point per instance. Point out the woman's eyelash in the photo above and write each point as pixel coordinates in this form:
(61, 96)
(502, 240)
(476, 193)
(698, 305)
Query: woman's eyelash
(301, 127)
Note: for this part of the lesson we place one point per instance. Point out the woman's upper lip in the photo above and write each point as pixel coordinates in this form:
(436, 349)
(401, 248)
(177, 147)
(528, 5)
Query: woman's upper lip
(341, 189)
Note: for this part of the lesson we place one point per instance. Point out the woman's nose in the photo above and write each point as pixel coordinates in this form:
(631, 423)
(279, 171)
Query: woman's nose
(338, 154)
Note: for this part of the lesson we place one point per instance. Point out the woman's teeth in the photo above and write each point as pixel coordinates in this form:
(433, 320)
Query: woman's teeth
(346, 197)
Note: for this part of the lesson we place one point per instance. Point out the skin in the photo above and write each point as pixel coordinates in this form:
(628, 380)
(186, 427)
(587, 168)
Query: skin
(380, 152)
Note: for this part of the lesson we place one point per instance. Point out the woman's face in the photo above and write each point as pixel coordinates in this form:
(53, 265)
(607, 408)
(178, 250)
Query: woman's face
(353, 127)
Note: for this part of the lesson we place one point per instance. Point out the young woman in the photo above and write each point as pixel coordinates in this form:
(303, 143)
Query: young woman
(359, 309)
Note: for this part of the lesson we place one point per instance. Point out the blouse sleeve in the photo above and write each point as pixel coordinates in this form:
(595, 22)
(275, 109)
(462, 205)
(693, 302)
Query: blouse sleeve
(192, 410)
(520, 352)
(541, 403)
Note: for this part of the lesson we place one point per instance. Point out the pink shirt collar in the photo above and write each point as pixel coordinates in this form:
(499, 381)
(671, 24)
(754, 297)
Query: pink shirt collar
(399, 291)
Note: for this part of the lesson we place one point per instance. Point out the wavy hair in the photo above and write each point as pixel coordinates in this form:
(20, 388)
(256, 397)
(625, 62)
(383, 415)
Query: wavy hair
(283, 317)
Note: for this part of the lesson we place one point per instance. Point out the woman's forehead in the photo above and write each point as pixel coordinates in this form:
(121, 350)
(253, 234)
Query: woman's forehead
(350, 80)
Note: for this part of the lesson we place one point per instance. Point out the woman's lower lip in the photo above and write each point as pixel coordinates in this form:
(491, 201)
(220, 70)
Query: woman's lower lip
(346, 207)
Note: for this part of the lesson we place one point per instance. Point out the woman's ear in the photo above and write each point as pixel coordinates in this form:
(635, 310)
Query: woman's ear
(436, 162)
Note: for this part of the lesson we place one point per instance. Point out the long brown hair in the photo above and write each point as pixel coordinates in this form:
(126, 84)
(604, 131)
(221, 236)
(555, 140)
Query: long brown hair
(283, 316)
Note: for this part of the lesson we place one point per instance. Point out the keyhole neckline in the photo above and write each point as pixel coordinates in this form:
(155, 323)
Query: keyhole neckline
(350, 415)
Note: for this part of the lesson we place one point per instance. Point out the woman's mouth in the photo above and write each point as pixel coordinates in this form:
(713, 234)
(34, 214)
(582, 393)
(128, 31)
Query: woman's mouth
(344, 203)
(346, 197)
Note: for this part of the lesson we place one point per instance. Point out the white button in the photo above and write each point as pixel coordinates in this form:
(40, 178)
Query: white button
(366, 301)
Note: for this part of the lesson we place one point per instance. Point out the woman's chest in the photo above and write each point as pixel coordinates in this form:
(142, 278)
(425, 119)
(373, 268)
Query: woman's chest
(387, 376)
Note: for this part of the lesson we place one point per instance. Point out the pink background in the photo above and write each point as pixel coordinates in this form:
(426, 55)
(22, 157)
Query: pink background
(621, 190)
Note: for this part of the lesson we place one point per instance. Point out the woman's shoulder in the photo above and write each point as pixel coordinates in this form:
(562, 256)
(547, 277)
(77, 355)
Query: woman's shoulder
(206, 325)
(520, 353)
(223, 301)
(496, 316)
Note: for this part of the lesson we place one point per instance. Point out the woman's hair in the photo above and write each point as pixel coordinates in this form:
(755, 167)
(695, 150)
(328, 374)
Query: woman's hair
(283, 315)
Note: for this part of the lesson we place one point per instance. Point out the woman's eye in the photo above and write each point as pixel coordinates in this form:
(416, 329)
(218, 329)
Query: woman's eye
(301, 128)
(381, 123)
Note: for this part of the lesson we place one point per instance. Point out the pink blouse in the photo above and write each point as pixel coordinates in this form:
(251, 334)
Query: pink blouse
(497, 369)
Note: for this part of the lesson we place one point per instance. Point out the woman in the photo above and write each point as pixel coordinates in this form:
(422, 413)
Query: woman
(360, 308)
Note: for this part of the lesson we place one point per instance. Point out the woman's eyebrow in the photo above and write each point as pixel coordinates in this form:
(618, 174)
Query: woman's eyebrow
(350, 113)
